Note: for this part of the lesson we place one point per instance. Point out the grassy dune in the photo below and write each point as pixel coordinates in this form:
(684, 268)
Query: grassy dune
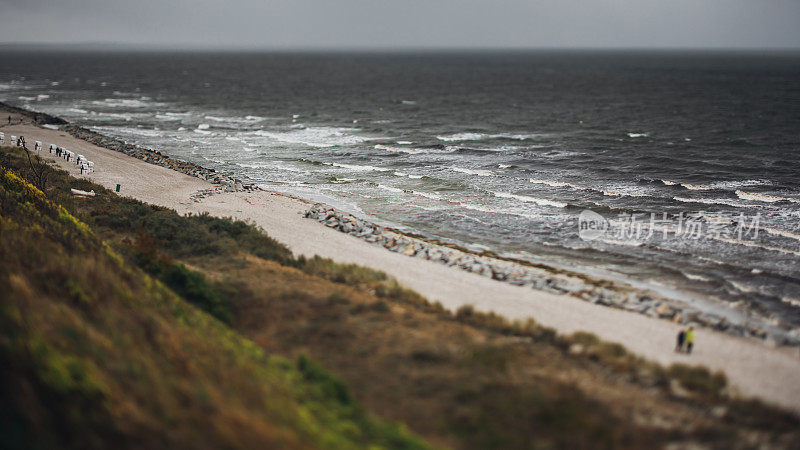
(95, 353)
(134, 325)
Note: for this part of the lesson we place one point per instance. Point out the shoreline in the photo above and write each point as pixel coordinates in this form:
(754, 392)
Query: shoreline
(609, 293)
(282, 217)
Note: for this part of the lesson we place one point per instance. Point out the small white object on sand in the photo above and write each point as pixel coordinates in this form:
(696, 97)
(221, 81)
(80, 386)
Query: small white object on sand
(82, 193)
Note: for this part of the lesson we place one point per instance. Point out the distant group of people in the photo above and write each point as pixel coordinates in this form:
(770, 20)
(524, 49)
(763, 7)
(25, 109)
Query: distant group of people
(9, 120)
(685, 342)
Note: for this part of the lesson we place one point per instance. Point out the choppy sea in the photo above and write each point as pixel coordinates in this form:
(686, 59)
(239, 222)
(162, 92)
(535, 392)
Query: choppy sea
(691, 160)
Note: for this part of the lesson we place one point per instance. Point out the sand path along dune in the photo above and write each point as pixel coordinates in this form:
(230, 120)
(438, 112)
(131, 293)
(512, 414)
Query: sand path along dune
(754, 368)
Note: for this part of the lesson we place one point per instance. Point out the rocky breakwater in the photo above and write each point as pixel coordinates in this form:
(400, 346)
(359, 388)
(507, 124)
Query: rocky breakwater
(542, 278)
(226, 182)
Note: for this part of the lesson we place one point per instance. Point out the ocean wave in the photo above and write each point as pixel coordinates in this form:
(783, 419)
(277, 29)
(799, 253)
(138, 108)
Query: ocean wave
(638, 135)
(695, 187)
(585, 188)
(458, 137)
(625, 243)
(248, 119)
(503, 166)
(482, 208)
(755, 245)
(764, 197)
(429, 195)
(411, 151)
(711, 201)
(124, 103)
(78, 110)
(779, 232)
(358, 168)
(694, 277)
(26, 98)
(791, 301)
(403, 174)
(390, 189)
(529, 199)
(317, 136)
(478, 172)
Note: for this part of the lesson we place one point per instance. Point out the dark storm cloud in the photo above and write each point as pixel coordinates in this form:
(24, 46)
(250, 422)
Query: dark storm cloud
(411, 23)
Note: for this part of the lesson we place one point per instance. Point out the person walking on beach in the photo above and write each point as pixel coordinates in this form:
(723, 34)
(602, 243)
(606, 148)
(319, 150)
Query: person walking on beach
(9, 120)
(689, 340)
(681, 339)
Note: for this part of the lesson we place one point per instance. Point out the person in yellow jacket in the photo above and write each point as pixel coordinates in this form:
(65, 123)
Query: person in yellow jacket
(689, 340)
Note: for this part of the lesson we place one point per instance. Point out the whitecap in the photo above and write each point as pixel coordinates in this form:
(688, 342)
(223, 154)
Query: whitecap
(457, 137)
(779, 232)
(503, 166)
(694, 277)
(710, 201)
(764, 197)
(317, 136)
(528, 199)
(410, 151)
(403, 174)
(637, 135)
(203, 126)
(358, 168)
(478, 172)
(485, 209)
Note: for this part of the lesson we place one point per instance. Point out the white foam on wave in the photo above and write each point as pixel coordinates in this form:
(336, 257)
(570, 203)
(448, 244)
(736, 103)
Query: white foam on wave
(429, 195)
(41, 97)
(610, 193)
(622, 243)
(203, 126)
(764, 197)
(669, 183)
(390, 189)
(123, 103)
(783, 233)
(791, 301)
(710, 201)
(403, 174)
(478, 172)
(637, 135)
(404, 142)
(503, 166)
(695, 187)
(248, 119)
(529, 199)
(410, 151)
(359, 168)
(486, 209)
(26, 98)
(694, 277)
(458, 137)
(320, 137)
(78, 110)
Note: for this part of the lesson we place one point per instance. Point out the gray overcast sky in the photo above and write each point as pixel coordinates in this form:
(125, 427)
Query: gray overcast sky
(406, 23)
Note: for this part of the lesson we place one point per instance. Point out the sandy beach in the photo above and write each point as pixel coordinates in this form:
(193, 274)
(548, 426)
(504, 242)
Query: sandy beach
(755, 369)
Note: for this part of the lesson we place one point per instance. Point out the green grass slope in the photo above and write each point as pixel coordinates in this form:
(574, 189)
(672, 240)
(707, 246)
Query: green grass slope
(96, 353)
